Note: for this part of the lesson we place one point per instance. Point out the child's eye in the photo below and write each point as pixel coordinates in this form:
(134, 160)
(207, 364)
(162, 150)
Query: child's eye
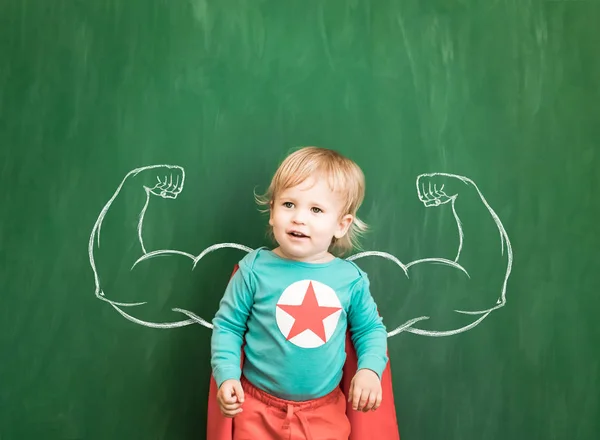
(316, 210)
(288, 204)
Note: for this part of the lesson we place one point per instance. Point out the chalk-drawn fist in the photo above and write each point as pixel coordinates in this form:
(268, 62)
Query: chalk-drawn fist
(165, 181)
(437, 189)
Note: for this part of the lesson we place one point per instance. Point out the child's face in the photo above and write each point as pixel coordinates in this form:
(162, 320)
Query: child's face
(306, 217)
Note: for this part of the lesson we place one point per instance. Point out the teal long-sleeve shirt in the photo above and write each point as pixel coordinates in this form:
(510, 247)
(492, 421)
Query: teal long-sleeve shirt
(291, 318)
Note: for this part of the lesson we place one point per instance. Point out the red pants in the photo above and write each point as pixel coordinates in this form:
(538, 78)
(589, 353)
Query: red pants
(265, 417)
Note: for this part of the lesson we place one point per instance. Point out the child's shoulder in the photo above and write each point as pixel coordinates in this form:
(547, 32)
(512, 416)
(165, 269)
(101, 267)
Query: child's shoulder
(348, 269)
(257, 258)
(354, 267)
(247, 263)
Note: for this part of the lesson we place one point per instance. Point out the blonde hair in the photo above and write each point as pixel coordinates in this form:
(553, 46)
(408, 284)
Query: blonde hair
(344, 176)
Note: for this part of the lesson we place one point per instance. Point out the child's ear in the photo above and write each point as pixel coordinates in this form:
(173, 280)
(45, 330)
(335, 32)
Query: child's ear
(271, 213)
(344, 225)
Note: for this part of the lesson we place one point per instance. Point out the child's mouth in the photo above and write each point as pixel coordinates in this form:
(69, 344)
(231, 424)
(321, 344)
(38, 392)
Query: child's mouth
(297, 234)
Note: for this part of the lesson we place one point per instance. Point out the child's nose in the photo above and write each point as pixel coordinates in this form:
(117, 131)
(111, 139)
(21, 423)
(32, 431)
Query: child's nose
(298, 217)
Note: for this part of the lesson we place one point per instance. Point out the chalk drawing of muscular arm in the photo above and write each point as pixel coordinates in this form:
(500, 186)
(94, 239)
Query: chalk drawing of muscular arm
(156, 181)
(433, 190)
(167, 182)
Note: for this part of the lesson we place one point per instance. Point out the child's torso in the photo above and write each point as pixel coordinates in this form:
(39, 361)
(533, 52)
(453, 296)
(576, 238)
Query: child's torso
(297, 325)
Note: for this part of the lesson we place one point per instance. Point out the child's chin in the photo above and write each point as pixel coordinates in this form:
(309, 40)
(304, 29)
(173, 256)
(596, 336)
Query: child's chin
(296, 250)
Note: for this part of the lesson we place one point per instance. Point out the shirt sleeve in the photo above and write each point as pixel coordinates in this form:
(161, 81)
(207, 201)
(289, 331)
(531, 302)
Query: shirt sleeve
(368, 333)
(229, 327)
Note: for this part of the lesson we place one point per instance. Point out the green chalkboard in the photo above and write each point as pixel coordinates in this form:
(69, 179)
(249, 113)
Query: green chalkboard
(133, 135)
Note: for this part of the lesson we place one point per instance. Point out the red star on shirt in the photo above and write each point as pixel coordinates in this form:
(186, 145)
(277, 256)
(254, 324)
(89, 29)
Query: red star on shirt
(308, 315)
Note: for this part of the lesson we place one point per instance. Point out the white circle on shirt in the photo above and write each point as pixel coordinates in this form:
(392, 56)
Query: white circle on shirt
(307, 313)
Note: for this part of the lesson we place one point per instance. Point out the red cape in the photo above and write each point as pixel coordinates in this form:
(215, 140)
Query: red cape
(377, 425)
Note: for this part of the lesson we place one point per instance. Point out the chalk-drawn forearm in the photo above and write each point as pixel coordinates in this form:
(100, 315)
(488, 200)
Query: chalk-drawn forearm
(432, 192)
(168, 185)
